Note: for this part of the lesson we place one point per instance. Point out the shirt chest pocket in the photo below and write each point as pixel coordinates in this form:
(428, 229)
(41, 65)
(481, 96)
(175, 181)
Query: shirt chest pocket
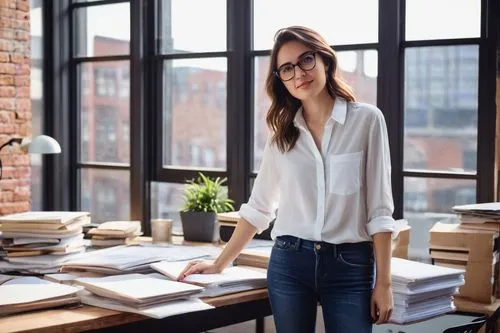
(345, 173)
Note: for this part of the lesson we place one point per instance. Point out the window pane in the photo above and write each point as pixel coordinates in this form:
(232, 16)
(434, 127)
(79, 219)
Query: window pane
(337, 21)
(357, 68)
(194, 113)
(166, 202)
(441, 96)
(428, 200)
(98, 35)
(36, 100)
(105, 194)
(430, 19)
(180, 16)
(104, 111)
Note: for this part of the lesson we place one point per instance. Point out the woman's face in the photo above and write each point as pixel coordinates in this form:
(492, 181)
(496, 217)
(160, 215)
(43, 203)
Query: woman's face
(305, 80)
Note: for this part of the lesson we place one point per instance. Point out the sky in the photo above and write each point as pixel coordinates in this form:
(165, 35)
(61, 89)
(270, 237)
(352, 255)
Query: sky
(339, 21)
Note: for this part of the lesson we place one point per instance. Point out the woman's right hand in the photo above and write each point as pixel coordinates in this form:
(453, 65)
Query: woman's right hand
(199, 267)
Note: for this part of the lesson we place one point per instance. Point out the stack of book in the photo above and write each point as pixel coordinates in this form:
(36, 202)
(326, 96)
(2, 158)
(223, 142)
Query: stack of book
(157, 298)
(422, 291)
(31, 293)
(114, 233)
(232, 280)
(473, 250)
(37, 242)
(484, 216)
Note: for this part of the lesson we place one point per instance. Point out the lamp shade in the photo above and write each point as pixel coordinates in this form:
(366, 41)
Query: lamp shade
(44, 144)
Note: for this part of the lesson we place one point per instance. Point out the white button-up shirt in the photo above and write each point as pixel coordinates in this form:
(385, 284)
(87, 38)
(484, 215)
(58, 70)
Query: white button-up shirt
(339, 194)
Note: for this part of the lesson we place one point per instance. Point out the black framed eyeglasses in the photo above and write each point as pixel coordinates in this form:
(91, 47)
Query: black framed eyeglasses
(307, 62)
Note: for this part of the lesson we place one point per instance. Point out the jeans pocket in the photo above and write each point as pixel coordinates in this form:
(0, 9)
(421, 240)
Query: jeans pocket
(282, 244)
(356, 259)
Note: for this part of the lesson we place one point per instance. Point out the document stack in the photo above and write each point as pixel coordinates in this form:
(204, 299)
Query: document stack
(231, 280)
(38, 242)
(484, 216)
(31, 293)
(422, 290)
(114, 233)
(141, 294)
(134, 258)
(473, 249)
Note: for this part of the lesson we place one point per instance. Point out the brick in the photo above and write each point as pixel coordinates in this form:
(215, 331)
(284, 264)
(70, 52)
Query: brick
(23, 5)
(23, 104)
(8, 128)
(7, 104)
(23, 115)
(7, 68)
(6, 80)
(16, 59)
(22, 15)
(21, 81)
(6, 33)
(8, 23)
(22, 69)
(22, 35)
(4, 57)
(4, 195)
(7, 12)
(14, 207)
(21, 91)
(7, 117)
(7, 92)
(24, 129)
(6, 45)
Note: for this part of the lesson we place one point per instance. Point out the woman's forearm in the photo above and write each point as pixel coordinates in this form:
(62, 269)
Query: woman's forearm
(383, 252)
(242, 234)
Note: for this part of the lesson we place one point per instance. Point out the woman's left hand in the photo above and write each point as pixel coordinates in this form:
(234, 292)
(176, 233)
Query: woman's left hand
(381, 304)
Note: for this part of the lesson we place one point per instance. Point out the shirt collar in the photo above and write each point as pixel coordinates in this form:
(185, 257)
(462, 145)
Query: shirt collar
(339, 113)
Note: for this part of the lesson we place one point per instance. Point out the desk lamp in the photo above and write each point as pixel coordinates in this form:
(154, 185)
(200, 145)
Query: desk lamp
(42, 144)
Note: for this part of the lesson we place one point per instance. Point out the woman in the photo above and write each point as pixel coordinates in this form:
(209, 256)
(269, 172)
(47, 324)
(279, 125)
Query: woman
(327, 168)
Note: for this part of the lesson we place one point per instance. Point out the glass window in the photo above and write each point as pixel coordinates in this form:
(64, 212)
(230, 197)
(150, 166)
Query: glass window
(106, 194)
(104, 117)
(353, 67)
(440, 118)
(337, 21)
(37, 101)
(430, 19)
(180, 16)
(429, 200)
(166, 202)
(98, 35)
(190, 120)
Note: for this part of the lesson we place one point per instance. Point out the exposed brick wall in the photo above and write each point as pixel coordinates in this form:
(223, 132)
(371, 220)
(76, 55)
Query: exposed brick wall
(15, 104)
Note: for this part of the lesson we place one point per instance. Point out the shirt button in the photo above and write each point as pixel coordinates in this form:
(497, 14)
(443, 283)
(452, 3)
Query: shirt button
(318, 246)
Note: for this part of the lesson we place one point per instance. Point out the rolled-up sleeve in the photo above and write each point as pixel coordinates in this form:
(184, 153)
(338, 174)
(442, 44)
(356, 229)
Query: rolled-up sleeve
(380, 204)
(263, 202)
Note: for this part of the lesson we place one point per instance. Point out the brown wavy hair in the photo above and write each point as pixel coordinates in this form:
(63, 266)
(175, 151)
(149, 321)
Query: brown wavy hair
(283, 105)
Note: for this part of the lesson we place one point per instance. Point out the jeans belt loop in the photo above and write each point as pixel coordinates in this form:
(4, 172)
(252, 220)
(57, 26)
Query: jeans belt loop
(298, 243)
(334, 250)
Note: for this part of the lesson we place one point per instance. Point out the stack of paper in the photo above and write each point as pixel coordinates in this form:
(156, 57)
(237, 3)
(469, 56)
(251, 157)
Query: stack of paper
(483, 216)
(421, 290)
(115, 233)
(31, 293)
(37, 242)
(142, 294)
(134, 258)
(231, 280)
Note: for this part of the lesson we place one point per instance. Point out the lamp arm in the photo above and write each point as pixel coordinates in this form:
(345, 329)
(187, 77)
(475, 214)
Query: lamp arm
(11, 141)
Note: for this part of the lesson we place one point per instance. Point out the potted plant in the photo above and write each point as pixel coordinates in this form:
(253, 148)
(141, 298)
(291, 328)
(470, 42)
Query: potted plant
(204, 197)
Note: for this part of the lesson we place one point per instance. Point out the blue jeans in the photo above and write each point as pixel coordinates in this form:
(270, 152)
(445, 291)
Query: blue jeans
(340, 277)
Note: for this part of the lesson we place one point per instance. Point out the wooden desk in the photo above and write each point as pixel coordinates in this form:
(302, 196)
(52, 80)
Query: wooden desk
(229, 309)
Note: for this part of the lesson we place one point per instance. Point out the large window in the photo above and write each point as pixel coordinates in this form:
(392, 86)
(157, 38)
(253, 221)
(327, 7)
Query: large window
(190, 74)
(194, 69)
(101, 53)
(441, 85)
